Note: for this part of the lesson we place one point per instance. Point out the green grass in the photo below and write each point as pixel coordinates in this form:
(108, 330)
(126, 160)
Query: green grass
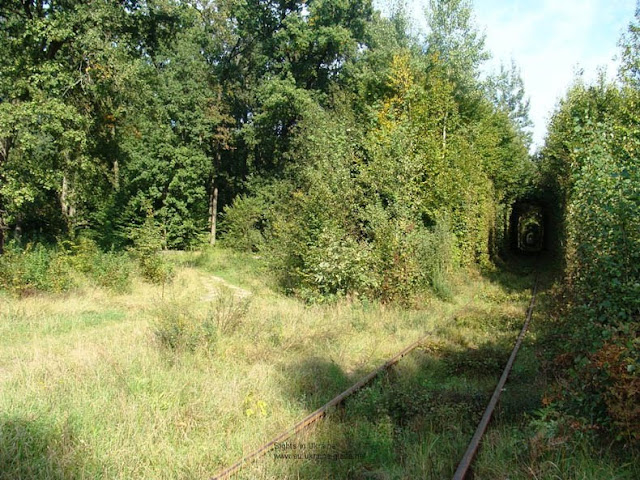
(89, 389)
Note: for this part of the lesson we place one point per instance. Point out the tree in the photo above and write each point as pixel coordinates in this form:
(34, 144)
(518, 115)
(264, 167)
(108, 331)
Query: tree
(297, 46)
(173, 140)
(630, 46)
(44, 124)
(457, 44)
(506, 90)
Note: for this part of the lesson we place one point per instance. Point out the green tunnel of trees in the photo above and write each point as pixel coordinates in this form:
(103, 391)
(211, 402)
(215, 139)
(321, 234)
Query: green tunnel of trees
(527, 233)
(361, 158)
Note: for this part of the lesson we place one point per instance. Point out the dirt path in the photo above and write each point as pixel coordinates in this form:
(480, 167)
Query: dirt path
(215, 284)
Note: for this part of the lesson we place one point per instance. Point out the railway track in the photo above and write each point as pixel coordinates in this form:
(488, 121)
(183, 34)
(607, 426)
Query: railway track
(467, 460)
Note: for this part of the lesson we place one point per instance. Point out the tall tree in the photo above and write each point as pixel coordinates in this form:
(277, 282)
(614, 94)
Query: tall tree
(630, 46)
(455, 40)
(506, 90)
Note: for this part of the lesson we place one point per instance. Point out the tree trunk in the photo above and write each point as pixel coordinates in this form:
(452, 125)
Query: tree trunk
(505, 226)
(116, 175)
(2, 229)
(444, 135)
(213, 212)
(116, 166)
(17, 233)
(68, 210)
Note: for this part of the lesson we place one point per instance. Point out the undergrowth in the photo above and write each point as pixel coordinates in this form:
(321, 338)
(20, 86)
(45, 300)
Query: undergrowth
(177, 327)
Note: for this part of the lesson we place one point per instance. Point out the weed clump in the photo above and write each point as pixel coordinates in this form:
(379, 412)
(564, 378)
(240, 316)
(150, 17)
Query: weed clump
(227, 310)
(147, 248)
(62, 267)
(178, 328)
(109, 270)
(34, 268)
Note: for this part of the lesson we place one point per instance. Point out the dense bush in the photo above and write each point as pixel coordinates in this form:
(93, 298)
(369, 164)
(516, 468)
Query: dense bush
(177, 330)
(113, 271)
(591, 166)
(58, 268)
(148, 243)
(34, 268)
(109, 270)
(384, 209)
(603, 271)
(242, 223)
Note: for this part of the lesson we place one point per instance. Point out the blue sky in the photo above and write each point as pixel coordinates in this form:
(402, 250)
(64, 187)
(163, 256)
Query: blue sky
(549, 40)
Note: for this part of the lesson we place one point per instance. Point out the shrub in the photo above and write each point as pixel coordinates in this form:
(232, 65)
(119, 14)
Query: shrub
(84, 253)
(54, 268)
(594, 173)
(337, 224)
(113, 271)
(412, 258)
(243, 223)
(336, 265)
(148, 241)
(34, 268)
(227, 311)
(177, 328)
(109, 270)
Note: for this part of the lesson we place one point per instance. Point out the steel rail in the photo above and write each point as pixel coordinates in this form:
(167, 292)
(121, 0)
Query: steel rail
(321, 412)
(467, 459)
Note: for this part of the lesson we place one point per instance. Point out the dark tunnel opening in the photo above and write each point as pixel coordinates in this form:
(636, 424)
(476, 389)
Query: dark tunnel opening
(529, 227)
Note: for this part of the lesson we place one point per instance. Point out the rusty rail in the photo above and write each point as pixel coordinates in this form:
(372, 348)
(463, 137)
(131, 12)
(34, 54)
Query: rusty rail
(321, 412)
(467, 459)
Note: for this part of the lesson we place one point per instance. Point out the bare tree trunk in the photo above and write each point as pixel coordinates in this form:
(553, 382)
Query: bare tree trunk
(213, 212)
(444, 135)
(68, 210)
(116, 175)
(505, 226)
(64, 193)
(5, 146)
(2, 229)
(116, 166)
(17, 233)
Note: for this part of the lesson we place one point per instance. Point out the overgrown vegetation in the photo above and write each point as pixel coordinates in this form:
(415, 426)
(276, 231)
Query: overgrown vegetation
(362, 169)
(387, 204)
(37, 268)
(177, 328)
(591, 171)
(71, 264)
(367, 161)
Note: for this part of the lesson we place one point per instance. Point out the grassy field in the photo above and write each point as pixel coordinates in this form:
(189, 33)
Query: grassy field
(181, 380)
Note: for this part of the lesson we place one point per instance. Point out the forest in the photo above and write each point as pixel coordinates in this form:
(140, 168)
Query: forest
(327, 157)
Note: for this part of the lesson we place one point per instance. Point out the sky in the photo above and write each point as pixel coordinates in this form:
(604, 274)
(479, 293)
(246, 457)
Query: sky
(549, 41)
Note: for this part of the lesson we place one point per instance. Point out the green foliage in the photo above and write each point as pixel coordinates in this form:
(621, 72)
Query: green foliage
(332, 266)
(590, 166)
(242, 223)
(630, 45)
(388, 209)
(227, 310)
(508, 94)
(148, 242)
(110, 270)
(455, 40)
(113, 271)
(108, 109)
(41, 268)
(34, 268)
(179, 329)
